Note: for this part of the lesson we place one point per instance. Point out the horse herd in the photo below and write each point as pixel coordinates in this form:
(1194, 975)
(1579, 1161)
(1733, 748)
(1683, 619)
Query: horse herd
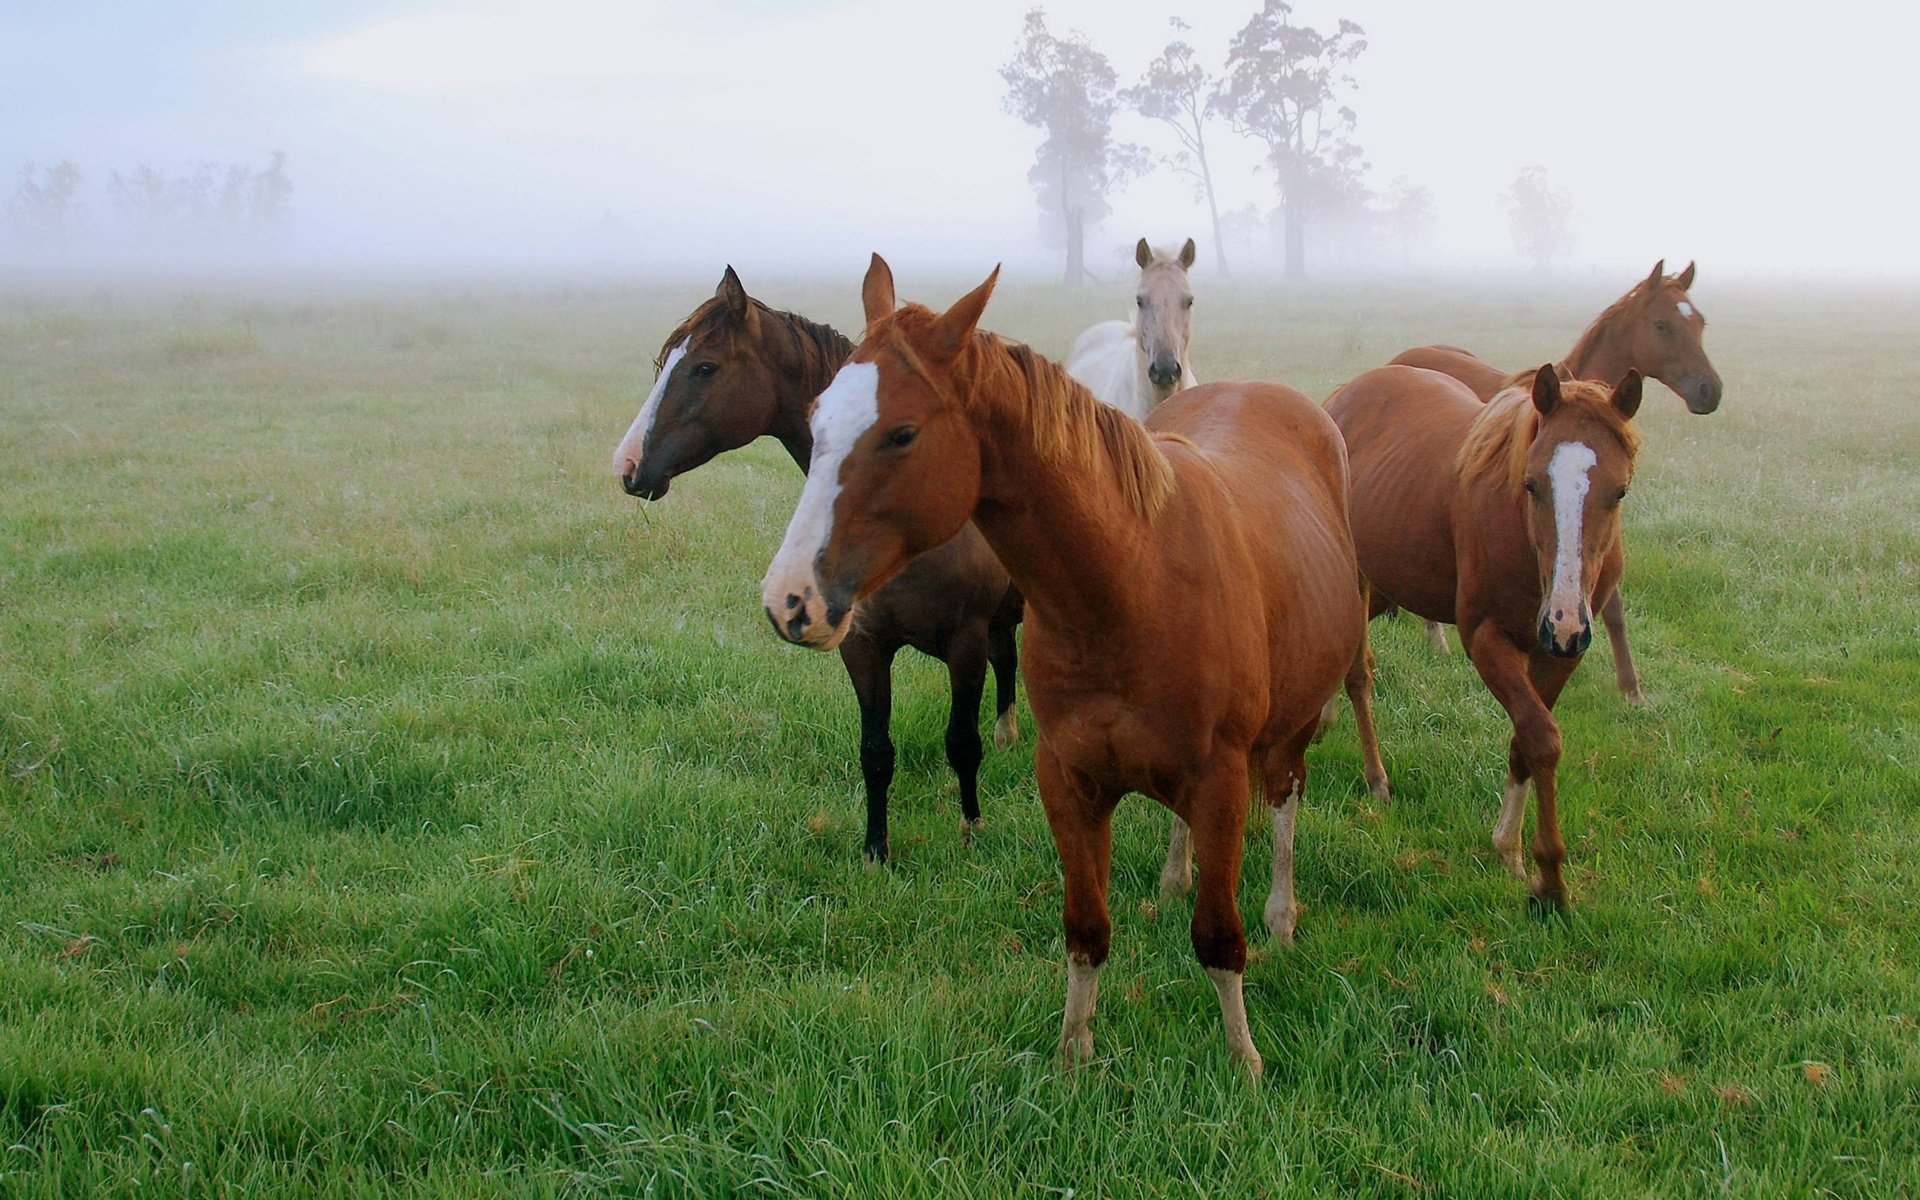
(1196, 584)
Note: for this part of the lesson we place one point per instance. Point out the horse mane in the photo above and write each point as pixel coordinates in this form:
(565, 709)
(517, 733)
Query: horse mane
(821, 346)
(1600, 326)
(1501, 434)
(1068, 426)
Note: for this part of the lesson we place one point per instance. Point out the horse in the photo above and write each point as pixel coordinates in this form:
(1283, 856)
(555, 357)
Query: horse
(1653, 329)
(1192, 594)
(1502, 519)
(736, 369)
(1135, 365)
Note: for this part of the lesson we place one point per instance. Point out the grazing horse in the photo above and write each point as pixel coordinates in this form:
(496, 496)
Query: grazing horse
(1135, 365)
(1192, 596)
(1503, 519)
(1653, 329)
(736, 369)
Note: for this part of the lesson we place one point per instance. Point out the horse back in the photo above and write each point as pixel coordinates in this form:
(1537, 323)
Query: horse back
(1278, 464)
(1105, 359)
(1403, 428)
(1484, 379)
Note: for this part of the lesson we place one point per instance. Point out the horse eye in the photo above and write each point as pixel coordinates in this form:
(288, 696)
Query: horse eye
(900, 437)
(1189, 303)
(1140, 301)
(705, 370)
(1533, 489)
(1621, 496)
(1663, 326)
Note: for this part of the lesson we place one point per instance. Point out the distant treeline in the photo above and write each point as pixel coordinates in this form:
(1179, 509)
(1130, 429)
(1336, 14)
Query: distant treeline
(202, 207)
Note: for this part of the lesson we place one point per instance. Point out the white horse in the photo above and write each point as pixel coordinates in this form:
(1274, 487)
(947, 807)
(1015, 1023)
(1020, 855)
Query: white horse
(1134, 365)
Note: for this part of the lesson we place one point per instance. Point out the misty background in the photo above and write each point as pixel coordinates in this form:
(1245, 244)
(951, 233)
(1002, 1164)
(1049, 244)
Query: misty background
(653, 137)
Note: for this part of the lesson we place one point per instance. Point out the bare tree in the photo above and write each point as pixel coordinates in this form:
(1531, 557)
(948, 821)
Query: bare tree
(1178, 92)
(1065, 87)
(1283, 81)
(1408, 215)
(1540, 217)
(45, 202)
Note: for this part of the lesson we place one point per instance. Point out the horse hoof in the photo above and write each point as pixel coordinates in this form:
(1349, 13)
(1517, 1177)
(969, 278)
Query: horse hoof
(877, 855)
(1380, 791)
(1281, 924)
(1175, 883)
(1252, 1062)
(970, 827)
(1547, 907)
(1076, 1047)
(1635, 696)
(1006, 731)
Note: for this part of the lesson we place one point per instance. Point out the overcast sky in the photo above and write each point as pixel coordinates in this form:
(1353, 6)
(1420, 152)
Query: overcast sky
(811, 131)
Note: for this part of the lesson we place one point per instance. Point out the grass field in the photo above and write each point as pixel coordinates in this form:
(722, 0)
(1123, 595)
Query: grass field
(392, 805)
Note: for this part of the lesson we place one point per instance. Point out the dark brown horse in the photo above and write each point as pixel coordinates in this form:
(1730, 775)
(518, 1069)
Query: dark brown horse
(1653, 329)
(736, 369)
(1192, 598)
(1503, 519)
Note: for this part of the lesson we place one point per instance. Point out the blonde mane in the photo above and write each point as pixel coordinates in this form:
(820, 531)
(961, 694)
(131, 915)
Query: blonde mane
(1500, 436)
(1069, 428)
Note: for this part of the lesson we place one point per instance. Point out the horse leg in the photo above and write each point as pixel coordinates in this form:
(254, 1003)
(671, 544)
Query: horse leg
(1216, 807)
(1284, 776)
(1003, 651)
(870, 665)
(1360, 693)
(1614, 614)
(1081, 820)
(967, 672)
(1534, 753)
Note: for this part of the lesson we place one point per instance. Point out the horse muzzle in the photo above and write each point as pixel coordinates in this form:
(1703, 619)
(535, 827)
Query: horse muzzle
(802, 614)
(1164, 374)
(1704, 396)
(1566, 639)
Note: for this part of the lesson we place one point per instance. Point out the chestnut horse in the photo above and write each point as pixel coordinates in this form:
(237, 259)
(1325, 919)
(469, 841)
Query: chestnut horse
(1192, 596)
(1502, 519)
(1134, 365)
(1653, 329)
(736, 369)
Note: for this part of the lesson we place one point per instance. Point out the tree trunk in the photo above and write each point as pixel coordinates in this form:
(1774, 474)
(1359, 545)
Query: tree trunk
(1296, 243)
(1076, 246)
(1213, 207)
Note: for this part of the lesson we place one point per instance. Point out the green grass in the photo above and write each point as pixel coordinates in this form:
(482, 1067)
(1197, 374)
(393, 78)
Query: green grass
(393, 806)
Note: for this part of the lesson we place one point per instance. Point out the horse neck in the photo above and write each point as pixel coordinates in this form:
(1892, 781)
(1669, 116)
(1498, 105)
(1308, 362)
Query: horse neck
(1602, 354)
(1067, 535)
(807, 355)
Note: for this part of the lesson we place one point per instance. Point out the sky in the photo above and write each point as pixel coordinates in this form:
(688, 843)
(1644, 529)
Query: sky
(804, 134)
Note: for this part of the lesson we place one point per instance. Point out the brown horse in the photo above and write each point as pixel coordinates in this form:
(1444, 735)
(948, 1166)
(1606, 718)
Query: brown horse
(1503, 519)
(1653, 329)
(736, 369)
(1192, 596)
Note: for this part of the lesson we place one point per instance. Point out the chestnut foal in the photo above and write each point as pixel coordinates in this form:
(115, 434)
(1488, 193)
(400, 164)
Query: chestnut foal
(1503, 519)
(736, 369)
(1192, 596)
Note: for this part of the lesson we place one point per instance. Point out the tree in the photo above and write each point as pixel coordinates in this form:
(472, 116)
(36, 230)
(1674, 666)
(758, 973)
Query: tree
(45, 201)
(1540, 216)
(1065, 87)
(1282, 83)
(1408, 215)
(1178, 92)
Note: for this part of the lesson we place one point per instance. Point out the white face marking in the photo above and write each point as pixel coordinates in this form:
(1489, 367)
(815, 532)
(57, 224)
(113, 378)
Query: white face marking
(1686, 310)
(848, 408)
(1568, 471)
(633, 447)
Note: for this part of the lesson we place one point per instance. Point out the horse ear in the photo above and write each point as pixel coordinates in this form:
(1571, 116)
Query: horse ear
(1143, 254)
(1626, 397)
(1187, 253)
(1565, 373)
(1653, 280)
(735, 295)
(1685, 279)
(957, 324)
(1546, 389)
(876, 292)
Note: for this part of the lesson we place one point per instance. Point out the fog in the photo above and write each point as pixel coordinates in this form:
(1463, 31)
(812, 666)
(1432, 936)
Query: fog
(649, 137)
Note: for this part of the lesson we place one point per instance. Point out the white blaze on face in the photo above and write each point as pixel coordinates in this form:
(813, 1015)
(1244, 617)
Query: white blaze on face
(1686, 310)
(627, 455)
(847, 409)
(1567, 470)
